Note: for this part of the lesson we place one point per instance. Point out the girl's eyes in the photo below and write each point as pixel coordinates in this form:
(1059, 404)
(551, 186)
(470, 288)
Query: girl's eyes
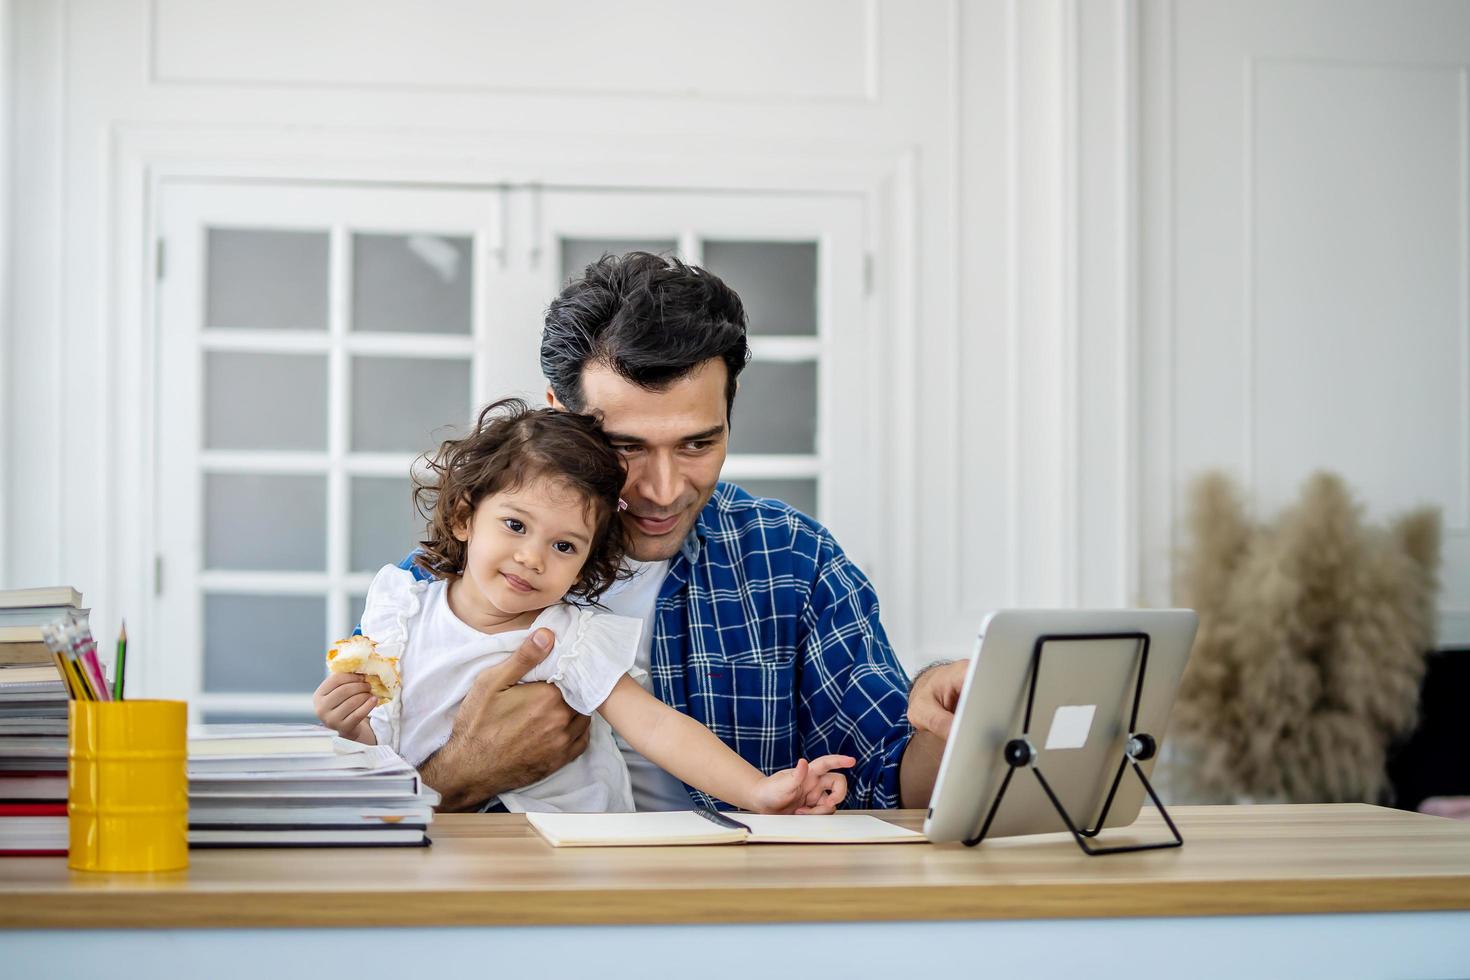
(519, 527)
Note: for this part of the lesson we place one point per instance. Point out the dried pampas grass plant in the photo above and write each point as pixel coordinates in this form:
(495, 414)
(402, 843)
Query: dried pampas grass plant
(1311, 647)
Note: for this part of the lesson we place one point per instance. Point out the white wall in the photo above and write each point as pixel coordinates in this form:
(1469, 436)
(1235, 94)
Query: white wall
(1052, 174)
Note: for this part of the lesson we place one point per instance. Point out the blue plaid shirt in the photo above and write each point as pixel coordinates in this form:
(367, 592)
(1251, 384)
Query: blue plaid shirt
(769, 636)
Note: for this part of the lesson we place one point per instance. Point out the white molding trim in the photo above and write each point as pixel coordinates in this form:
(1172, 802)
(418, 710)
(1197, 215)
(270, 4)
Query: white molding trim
(339, 424)
(281, 583)
(60, 323)
(274, 461)
(265, 704)
(754, 467)
(902, 274)
(1248, 278)
(1168, 237)
(59, 326)
(426, 345)
(1129, 310)
(1069, 234)
(1043, 521)
(873, 90)
(7, 190)
(381, 464)
(953, 472)
(263, 461)
(1464, 150)
(790, 350)
(1013, 302)
(1157, 490)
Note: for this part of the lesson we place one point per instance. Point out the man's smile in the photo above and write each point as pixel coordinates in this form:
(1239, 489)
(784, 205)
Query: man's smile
(656, 525)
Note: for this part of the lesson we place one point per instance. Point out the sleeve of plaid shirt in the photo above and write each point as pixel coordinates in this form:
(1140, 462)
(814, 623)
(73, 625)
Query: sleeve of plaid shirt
(854, 693)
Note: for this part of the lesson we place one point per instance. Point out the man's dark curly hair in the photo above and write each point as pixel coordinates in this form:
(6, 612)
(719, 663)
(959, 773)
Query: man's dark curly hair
(511, 446)
(653, 320)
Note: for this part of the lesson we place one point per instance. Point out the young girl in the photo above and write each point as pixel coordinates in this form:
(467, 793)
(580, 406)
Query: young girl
(523, 513)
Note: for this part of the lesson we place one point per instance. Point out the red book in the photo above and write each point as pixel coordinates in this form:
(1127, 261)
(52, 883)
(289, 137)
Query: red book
(32, 829)
(33, 809)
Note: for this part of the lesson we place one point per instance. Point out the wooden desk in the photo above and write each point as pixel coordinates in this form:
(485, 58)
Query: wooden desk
(1313, 862)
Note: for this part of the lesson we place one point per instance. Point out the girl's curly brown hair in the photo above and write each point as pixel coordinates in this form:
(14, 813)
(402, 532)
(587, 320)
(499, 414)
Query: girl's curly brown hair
(510, 446)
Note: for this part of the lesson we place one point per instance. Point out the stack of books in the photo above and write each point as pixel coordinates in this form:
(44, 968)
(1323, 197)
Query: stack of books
(23, 612)
(33, 722)
(301, 786)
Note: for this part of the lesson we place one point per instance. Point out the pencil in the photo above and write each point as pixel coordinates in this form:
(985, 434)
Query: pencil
(71, 688)
(87, 657)
(117, 668)
(83, 683)
(71, 636)
(56, 641)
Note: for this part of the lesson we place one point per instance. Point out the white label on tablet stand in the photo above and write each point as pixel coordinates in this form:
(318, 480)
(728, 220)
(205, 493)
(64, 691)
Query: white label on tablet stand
(1070, 726)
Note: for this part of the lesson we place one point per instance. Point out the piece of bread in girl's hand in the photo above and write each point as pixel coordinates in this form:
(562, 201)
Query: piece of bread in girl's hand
(359, 655)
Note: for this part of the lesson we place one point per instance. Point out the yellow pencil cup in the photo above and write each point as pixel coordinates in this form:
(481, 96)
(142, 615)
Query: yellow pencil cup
(127, 779)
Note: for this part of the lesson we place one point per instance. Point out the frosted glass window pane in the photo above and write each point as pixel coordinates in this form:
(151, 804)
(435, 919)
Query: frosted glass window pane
(777, 282)
(411, 283)
(385, 526)
(403, 404)
(776, 409)
(356, 604)
(265, 401)
(266, 280)
(799, 493)
(266, 523)
(264, 643)
(578, 253)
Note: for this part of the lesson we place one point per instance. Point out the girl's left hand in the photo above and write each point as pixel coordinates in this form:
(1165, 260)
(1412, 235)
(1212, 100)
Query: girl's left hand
(810, 787)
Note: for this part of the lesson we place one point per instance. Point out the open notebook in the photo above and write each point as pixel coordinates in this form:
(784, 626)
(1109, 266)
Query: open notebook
(709, 827)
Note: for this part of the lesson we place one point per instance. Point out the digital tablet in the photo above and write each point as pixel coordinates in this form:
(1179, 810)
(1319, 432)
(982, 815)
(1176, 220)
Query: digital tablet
(1087, 677)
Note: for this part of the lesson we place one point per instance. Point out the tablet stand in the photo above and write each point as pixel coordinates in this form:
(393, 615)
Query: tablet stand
(1140, 747)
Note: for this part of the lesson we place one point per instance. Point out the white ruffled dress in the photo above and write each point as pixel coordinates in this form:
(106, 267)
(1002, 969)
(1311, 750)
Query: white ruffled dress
(440, 656)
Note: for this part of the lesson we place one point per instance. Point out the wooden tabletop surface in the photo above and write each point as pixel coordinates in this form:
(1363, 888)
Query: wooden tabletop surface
(486, 869)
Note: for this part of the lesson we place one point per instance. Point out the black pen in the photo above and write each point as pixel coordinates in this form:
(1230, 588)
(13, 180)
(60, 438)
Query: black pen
(716, 817)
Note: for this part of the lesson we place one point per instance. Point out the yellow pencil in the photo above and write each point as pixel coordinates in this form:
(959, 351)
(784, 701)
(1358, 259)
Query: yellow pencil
(81, 675)
(71, 690)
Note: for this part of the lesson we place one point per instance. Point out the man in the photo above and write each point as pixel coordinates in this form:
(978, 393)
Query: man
(755, 622)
